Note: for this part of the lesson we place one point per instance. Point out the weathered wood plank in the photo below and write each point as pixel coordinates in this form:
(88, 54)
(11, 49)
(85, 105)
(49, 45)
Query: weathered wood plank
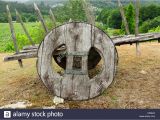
(20, 56)
(52, 17)
(19, 18)
(13, 34)
(41, 18)
(31, 47)
(130, 40)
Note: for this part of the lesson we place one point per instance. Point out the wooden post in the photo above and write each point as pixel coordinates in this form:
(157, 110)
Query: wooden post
(137, 3)
(19, 18)
(89, 12)
(52, 17)
(41, 18)
(123, 17)
(13, 34)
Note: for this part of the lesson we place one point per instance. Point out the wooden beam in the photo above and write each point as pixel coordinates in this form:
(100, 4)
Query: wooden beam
(19, 18)
(13, 34)
(40, 17)
(20, 56)
(52, 17)
(123, 17)
(133, 39)
(31, 47)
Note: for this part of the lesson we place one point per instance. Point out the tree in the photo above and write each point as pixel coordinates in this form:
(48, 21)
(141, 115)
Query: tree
(150, 24)
(115, 19)
(125, 23)
(130, 16)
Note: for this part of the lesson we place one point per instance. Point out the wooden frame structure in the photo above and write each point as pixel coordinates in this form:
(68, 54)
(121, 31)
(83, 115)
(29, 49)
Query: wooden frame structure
(78, 39)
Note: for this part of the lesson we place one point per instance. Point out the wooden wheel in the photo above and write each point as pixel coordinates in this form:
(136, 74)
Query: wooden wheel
(78, 38)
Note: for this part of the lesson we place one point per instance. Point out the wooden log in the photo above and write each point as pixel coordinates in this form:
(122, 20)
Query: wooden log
(41, 18)
(123, 17)
(13, 34)
(28, 51)
(30, 47)
(20, 56)
(19, 18)
(52, 17)
(131, 40)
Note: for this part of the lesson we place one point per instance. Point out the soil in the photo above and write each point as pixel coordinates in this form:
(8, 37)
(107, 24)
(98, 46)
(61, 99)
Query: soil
(136, 84)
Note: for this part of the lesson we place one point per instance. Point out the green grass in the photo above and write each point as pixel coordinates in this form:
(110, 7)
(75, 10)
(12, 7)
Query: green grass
(6, 43)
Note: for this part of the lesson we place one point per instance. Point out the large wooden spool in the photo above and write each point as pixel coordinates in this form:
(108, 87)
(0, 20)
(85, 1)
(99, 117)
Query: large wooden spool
(77, 39)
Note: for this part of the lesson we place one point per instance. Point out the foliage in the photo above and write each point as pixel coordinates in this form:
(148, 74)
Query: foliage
(115, 20)
(6, 43)
(150, 24)
(157, 29)
(130, 17)
(149, 12)
(72, 9)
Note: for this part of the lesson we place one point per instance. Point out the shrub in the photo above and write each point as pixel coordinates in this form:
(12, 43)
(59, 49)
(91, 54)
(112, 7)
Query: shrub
(150, 24)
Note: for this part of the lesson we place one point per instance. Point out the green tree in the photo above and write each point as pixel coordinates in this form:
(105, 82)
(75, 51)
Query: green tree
(149, 12)
(130, 16)
(150, 24)
(115, 19)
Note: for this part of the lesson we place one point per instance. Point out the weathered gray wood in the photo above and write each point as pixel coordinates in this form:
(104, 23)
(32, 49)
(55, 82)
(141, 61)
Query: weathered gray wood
(137, 5)
(28, 51)
(123, 17)
(133, 39)
(30, 47)
(120, 40)
(19, 18)
(41, 18)
(52, 17)
(78, 38)
(13, 34)
(20, 56)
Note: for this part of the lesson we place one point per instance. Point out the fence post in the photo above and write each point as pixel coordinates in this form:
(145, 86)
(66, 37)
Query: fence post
(40, 17)
(52, 17)
(13, 34)
(137, 3)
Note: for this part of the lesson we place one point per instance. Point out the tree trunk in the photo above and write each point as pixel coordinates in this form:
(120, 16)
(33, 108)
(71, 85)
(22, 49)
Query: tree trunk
(123, 17)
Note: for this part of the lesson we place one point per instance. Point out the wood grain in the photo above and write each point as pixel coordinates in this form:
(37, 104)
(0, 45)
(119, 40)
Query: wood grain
(78, 38)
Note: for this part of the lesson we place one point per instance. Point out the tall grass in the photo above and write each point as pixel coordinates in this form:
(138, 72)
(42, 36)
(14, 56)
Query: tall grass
(6, 43)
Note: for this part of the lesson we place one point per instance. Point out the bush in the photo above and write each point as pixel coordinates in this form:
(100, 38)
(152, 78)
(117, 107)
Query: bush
(150, 24)
(157, 29)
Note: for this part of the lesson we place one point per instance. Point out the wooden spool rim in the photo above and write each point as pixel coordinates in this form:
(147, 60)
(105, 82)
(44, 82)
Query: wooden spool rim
(100, 32)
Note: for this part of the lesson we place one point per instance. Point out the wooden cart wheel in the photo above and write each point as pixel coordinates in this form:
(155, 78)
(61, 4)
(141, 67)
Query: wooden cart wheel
(78, 38)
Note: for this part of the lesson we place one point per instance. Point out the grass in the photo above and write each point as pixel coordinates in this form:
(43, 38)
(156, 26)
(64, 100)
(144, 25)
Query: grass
(6, 43)
(130, 88)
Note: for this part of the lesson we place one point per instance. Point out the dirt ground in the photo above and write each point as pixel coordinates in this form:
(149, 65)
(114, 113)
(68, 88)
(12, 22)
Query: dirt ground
(136, 85)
